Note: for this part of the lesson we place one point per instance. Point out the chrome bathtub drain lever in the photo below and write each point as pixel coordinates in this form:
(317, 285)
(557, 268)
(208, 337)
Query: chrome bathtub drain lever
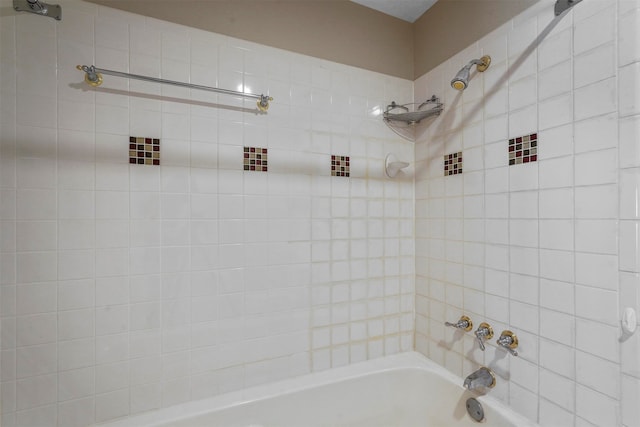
(484, 332)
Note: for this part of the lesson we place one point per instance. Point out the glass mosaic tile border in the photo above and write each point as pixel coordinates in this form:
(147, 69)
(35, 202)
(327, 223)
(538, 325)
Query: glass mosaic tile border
(523, 149)
(340, 165)
(453, 163)
(255, 159)
(144, 151)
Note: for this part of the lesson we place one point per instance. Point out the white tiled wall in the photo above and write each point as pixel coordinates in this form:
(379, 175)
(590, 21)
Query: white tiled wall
(547, 249)
(126, 288)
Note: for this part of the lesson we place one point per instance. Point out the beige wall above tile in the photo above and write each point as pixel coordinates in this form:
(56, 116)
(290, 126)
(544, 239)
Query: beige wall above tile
(341, 30)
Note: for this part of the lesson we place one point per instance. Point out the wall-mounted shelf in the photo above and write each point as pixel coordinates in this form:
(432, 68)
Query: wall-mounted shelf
(402, 113)
(399, 117)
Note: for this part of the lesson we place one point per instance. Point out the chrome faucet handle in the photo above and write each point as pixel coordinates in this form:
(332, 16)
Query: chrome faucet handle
(484, 332)
(509, 341)
(463, 323)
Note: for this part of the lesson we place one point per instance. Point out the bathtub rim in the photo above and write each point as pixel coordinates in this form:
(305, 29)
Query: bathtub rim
(400, 361)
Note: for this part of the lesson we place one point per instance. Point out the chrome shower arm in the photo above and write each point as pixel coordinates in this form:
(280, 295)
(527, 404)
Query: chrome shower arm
(482, 63)
(563, 5)
(36, 6)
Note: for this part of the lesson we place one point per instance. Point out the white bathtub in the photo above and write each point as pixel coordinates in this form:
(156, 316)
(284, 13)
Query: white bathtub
(401, 390)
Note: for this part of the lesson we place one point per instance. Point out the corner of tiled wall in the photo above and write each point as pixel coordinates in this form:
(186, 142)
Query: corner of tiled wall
(547, 249)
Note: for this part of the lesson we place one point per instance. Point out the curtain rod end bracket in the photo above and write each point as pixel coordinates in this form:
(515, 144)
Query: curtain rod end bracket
(91, 77)
(263, 103)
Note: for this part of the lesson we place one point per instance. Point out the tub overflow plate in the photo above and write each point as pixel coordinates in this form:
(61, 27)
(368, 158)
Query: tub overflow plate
(474, 408)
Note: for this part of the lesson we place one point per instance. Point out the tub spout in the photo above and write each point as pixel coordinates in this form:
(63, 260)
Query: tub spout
(483, 377)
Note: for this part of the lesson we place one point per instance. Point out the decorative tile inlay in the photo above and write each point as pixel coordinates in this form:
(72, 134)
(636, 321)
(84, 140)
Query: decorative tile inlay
(255, 159)
(453, 163)
(523, 149)
(144, 151)
(339, 165)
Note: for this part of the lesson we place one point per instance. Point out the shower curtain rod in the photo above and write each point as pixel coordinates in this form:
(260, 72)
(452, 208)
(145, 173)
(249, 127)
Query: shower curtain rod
(93, 77)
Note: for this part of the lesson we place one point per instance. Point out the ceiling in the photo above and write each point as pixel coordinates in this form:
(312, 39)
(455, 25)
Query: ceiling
(407, 10)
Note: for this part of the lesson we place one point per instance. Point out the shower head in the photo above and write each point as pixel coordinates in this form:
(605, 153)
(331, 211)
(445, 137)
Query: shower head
(461, 80)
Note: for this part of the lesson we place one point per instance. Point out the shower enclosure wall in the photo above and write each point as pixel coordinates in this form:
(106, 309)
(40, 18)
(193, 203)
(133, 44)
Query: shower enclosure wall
(541, 240)
(127, 287)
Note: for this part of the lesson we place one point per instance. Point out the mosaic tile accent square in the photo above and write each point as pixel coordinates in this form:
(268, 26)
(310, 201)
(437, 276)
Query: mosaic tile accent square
(144, 151)
(523, 149)
(453, 163)
(339, 165)
(255, 159)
